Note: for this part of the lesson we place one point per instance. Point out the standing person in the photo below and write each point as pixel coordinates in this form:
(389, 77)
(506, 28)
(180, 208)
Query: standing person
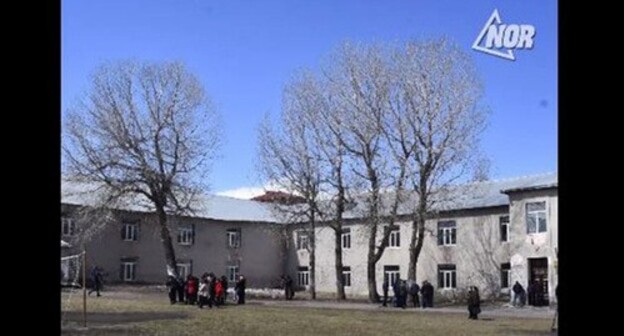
(191, 289)
(402, 294)
(218, 292)
(180, 289)
(224, 282)
(517, 293)
(203, 293)
(413, 290)
(427, 294)
(172, 288)
(395, 292)
(212, 282)
(290, 293)
(240, 289)
(96, 280)
(384, 287)
(474, 303)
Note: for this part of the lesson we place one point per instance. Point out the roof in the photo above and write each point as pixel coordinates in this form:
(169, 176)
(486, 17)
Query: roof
(206, 206)
(459, 197)
(474, 195)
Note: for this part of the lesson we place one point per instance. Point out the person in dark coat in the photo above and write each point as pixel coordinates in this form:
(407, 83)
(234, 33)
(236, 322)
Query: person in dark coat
(212, 293)
(240, 289)
(288, 288)
(384, 287)
(413, 291)
(224, 283)
(517, 293)
(402, 294)
(180, 289)
(172, 288)
(96, 280)
(395, 291)
(427, 294)
(474, 303)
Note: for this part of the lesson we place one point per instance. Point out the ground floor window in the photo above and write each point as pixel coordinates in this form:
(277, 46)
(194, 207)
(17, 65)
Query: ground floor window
(184, 269)
(232, 272)
(128, 270)
(391, 274)
(447, 277)
(303, 276)
(505, 275)
(346, 276)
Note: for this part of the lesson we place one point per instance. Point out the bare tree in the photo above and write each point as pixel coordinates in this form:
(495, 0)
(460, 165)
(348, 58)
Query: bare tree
(360, 79)
(440, 91)
(145, 133)
(289, 158)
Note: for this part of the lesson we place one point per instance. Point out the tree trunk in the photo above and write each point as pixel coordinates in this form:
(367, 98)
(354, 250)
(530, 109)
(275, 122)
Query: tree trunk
(373, 297)
(312, 256)
(418, 226)
(165, 238)
(338, 255)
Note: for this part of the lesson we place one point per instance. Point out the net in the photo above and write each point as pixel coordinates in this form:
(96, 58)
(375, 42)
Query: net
(71, 271)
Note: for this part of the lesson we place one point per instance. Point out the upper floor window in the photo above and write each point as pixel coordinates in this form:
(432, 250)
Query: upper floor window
(536, 217)
(234, 238)
(447, 233)
(186, 235)
(302, 240)
(504, 228)
(346, 238)
(394, 240)
(68, 226)
(130, 232)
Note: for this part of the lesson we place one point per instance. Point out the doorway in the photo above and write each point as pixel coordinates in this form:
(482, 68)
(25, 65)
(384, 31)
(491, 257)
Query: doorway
(538, 282)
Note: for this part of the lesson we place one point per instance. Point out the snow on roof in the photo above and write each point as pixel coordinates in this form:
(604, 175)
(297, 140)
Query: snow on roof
(467, 196)
(206, 206)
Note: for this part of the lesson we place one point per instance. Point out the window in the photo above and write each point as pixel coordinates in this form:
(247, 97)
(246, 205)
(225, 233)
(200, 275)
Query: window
(504, 228)
(447, 276)
(128, 270)
(536, 217)
(186, 235)
(234, 238)
(130, 232)
(447, 233)
(68, 227)
(505, 275)
(232, 273)
(346, 238)
(184, 269)
(394, 240)
(303, 276)
(302, 240)
(391, 274)
(346, 276)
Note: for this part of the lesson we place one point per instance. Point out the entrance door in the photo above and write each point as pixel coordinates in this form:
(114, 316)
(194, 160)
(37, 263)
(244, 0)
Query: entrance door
(538, 281)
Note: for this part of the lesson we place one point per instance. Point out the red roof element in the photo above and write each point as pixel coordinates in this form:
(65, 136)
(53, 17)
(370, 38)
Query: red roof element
(279, 197)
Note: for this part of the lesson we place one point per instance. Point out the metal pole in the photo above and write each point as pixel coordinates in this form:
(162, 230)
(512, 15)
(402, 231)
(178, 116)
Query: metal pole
(84, 285)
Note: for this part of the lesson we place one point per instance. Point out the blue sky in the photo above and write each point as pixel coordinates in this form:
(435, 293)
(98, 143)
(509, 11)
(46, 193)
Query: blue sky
(244, 52)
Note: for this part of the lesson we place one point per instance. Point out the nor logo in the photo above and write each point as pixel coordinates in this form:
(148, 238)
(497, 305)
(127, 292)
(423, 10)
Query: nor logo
(496, 35)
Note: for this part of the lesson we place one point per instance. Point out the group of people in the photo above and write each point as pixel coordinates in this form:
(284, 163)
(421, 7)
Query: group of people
(403, 288)
(535, 294)
(208, 290)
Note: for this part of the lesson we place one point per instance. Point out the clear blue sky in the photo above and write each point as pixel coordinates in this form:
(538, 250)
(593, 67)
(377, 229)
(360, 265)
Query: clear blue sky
(244, 51)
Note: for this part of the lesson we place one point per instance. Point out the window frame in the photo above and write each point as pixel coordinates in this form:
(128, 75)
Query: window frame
(302, 238)
(447, 276)
(186, 235)
(232, 271)
(505, 274)
(394, 238)
(392, 273)
(504, 221)
(129, 265)
(187, 265)
(71, 227)
(346, 276)
(303, 276)
(535, 213)
(132, 230)
(233, 237)
(447, 233)
(345, 238)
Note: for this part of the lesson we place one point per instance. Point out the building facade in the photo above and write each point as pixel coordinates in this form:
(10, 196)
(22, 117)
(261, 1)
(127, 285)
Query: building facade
(490, 235)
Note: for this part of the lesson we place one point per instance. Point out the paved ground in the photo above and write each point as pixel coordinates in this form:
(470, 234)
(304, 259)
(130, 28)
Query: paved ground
(487, 311)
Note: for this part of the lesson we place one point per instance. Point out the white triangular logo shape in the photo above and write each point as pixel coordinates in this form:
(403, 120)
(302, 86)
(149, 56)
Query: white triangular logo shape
(494, 19)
